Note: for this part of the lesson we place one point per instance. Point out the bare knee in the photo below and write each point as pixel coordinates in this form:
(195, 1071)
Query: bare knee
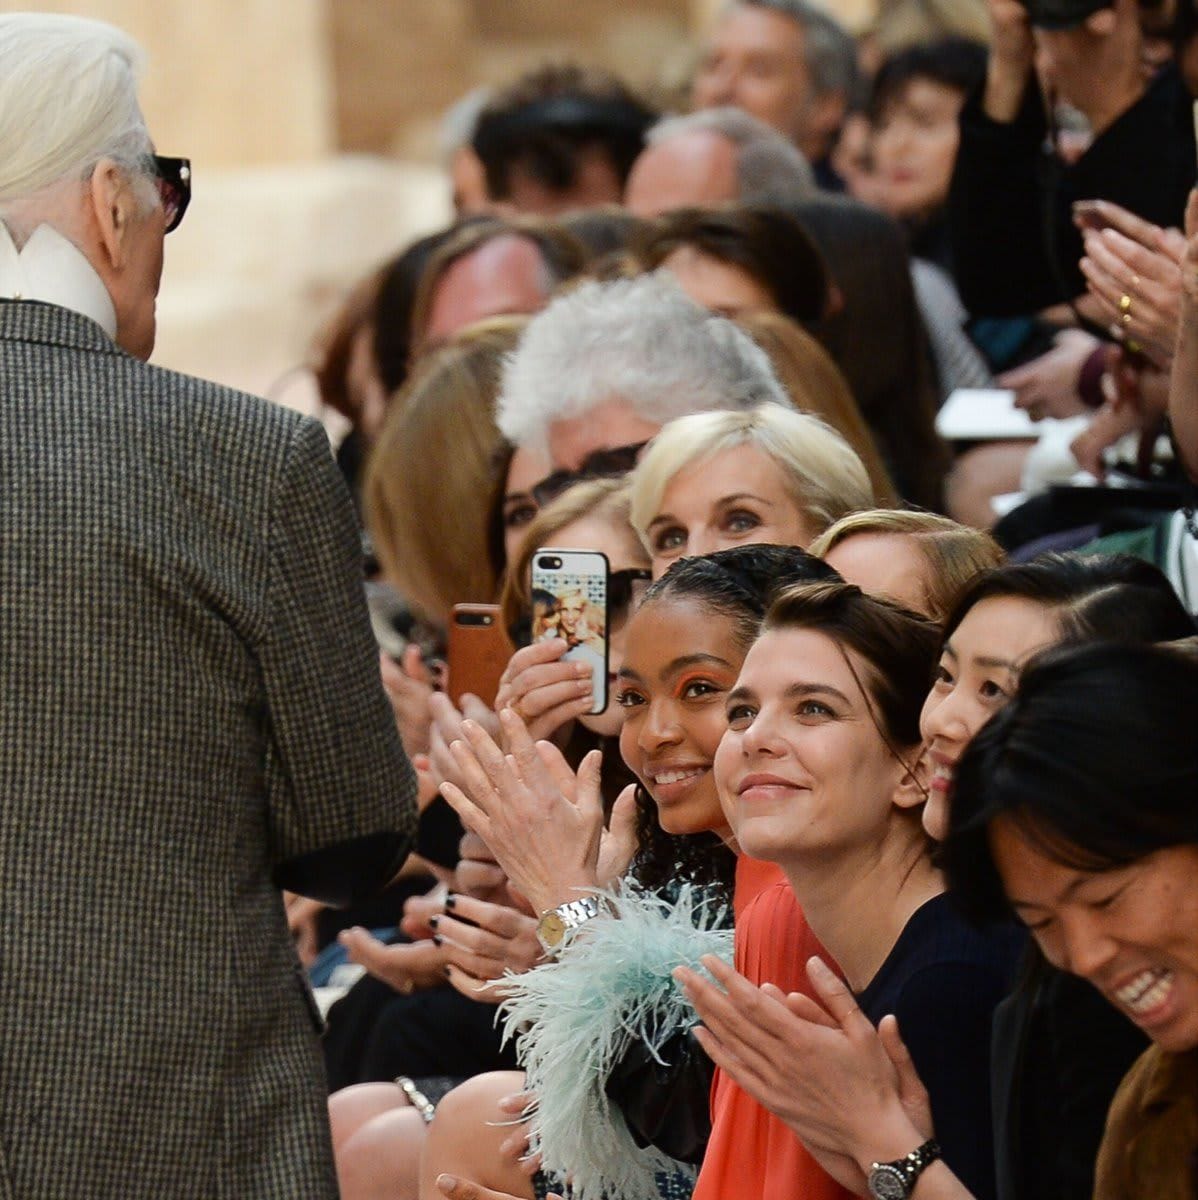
(467, 1133)
(353, 1107)
(381, 1161)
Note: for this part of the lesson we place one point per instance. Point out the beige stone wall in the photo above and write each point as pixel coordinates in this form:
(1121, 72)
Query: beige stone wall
(247, 82)
(229, 82)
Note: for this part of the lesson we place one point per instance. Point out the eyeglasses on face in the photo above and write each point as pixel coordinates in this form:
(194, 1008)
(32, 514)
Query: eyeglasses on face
(173, 176)
(600, 464)
(625, 589)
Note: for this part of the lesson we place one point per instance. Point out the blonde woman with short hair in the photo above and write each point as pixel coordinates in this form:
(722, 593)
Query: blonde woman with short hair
(714, 480)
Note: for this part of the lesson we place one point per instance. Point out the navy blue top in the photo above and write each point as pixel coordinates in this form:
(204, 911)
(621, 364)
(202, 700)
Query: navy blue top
(942, 980)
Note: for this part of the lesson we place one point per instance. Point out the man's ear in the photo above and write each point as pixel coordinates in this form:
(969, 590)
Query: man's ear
(912, 789)
(113, 207)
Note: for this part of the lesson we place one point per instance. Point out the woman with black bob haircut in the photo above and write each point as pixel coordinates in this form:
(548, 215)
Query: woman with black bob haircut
(1075, 809)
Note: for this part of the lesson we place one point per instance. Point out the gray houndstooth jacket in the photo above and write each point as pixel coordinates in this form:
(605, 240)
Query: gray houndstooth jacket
(190, 717)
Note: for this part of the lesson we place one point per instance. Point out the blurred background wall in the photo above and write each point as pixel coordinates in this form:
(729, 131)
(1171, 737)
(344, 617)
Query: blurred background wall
(312, 126)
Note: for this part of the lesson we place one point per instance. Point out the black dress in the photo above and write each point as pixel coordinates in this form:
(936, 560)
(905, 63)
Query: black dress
(1059, 1053)
(942, 980)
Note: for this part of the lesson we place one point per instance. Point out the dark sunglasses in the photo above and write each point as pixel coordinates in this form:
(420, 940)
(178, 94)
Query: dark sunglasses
(173, 176)
(602, 464)
(626, 589)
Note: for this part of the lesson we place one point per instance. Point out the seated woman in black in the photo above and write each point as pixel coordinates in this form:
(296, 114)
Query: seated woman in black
(820, 770)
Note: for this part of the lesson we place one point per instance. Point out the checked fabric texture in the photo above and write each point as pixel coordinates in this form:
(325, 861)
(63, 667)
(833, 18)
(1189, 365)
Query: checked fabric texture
(189, 699)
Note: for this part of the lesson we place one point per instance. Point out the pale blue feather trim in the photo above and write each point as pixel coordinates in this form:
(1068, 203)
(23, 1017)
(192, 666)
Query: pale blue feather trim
(574, 1018)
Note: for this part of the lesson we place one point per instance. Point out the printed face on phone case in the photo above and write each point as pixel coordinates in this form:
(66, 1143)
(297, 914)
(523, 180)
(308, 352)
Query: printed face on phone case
(571, 610)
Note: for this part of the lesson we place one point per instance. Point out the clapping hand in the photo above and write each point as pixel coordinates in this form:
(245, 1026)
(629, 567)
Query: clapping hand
(1134, 275)
(542, 822)
(841, 1085)
(482, 942)
(409, 686)
(404, 966)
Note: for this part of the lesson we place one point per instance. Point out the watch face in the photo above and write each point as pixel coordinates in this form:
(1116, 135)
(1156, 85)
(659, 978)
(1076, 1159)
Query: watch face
(888, 1183)
(551, 930)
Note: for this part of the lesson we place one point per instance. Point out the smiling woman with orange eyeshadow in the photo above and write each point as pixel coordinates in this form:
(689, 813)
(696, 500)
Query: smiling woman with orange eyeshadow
(684, 649)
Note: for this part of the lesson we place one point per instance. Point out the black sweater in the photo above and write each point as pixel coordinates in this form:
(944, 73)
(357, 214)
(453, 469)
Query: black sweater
(1015, 248)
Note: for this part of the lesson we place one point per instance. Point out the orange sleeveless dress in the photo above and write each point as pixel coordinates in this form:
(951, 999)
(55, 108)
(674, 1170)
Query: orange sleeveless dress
(752, 1155)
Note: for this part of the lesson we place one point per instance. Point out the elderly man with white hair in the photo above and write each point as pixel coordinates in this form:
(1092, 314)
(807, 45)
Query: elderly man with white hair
(606, 365)
(191, 717)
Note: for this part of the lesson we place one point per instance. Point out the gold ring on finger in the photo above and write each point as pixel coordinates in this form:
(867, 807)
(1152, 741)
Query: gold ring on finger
(1125, 305)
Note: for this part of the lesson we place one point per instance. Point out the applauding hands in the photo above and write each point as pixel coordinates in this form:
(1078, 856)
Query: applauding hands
(849, 1091)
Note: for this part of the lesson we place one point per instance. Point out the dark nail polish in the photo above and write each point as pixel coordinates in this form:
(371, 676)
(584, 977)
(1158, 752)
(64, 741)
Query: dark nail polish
(450, 900)
(447, 972)
(432, 922)
(437, 939)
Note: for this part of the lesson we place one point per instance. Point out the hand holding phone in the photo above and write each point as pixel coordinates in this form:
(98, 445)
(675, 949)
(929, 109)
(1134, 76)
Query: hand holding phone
(569, 599)
(544, 689)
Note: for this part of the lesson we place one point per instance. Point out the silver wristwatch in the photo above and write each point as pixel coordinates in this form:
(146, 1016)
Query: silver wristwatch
(896, 1180)
(556, 924)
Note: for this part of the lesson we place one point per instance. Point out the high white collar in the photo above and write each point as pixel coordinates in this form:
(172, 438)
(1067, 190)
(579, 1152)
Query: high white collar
(52, 269)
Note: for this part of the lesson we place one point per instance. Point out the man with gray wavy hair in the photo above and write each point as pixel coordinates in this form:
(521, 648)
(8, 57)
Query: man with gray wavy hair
(790, 64)
(191, 716)
(606, 365)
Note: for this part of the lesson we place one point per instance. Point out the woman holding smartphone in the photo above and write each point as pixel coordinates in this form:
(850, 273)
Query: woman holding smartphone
(683, 650)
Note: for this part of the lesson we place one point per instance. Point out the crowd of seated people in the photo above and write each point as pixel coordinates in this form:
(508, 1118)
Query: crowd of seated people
(864, 865)
(832, 830)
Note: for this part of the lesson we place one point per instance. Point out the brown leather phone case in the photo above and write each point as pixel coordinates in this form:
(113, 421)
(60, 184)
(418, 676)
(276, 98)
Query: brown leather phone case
(479, 650)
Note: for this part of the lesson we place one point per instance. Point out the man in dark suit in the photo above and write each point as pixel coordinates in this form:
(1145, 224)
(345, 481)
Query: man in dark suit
(190, 711)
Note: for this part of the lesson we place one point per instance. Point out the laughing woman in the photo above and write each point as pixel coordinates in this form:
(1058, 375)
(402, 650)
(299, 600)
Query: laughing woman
(1075, 809)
